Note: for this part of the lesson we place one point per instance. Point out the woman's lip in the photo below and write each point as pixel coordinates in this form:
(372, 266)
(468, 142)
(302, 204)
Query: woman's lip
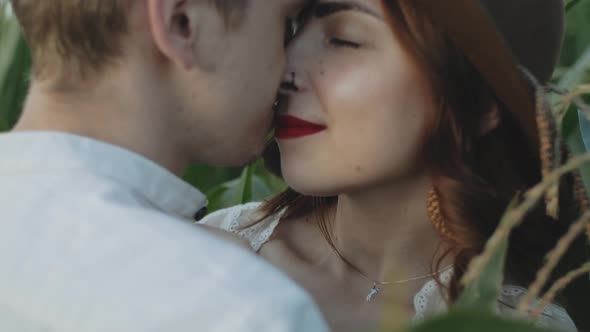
(289, 127)
(290, 121)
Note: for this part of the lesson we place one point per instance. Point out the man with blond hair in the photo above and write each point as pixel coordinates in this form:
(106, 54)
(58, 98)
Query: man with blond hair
(96, 231)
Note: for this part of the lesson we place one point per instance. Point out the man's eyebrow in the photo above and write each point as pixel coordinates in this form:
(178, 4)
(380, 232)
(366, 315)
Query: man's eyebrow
(306, 11)
(324, 9)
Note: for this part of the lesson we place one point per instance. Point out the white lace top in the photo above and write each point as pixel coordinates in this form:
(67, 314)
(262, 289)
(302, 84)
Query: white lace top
(243, 221)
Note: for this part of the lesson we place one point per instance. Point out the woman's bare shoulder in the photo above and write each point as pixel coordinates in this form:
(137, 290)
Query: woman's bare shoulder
(226, 236)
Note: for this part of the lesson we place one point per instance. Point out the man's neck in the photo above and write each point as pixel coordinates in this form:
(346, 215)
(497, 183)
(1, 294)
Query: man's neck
(110, 112)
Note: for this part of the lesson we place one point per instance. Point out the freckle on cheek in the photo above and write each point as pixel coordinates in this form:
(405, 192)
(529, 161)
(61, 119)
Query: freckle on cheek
(358, 169)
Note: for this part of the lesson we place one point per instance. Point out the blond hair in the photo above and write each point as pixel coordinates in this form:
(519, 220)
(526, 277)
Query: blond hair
(82, 35)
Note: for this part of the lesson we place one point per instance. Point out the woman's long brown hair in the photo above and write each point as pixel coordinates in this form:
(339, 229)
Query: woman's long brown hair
(475, 176)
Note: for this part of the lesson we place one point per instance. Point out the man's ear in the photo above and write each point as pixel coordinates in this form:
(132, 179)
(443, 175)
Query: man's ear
(490, 121)
(174, 25)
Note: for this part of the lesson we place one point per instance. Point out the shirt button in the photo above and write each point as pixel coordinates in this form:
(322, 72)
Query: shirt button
(201, 214)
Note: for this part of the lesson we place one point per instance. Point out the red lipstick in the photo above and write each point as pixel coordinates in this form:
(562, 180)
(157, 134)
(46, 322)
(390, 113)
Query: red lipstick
(290, 127)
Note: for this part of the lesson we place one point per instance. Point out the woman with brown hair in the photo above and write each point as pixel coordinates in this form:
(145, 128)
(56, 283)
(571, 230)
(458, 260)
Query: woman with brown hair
(405, 128)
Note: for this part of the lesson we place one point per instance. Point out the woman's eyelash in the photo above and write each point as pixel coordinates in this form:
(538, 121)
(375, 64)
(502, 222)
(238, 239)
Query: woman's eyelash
(343, 43)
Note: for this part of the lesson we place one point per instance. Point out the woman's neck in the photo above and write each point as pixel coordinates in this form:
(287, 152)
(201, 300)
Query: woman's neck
(385, 231)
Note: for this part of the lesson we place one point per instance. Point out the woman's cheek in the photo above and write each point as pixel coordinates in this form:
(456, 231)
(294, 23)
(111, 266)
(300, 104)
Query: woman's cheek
(340, 81)
(375, 131)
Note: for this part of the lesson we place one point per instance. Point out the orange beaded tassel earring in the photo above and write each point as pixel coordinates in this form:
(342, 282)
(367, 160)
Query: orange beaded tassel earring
(434, 214)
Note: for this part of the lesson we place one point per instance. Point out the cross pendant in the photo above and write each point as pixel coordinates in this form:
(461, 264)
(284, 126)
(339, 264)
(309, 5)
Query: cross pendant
(372, 292)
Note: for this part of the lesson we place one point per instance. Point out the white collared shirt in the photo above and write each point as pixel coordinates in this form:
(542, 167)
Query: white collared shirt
(97, 238)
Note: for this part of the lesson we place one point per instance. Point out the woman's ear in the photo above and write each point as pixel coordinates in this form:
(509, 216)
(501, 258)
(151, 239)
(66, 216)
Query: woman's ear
(490, 121)
(173, 25)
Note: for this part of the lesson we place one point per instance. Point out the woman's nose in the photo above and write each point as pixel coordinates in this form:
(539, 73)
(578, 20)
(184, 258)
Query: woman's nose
(289, 82)
(301, 56)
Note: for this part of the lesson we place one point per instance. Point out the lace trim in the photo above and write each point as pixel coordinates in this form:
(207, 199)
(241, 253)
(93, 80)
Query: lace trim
(257, 234)
(428, 293)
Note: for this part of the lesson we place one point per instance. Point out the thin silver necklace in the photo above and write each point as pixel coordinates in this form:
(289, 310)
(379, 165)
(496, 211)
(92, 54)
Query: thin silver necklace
(378, 284)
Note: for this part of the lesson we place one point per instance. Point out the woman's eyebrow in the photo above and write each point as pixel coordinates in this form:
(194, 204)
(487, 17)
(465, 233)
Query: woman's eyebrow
(324, 9)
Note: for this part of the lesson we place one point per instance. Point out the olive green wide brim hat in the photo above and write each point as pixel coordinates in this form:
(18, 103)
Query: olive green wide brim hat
(501, 36)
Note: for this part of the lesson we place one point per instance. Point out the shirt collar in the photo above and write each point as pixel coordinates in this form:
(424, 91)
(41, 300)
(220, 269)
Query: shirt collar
(54, 151)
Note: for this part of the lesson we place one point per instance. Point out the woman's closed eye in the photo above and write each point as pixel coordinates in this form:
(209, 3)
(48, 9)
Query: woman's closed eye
(343, 43)
(347, 32)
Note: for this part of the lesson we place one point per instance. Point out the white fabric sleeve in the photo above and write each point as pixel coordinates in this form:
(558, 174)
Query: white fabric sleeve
(553, 316)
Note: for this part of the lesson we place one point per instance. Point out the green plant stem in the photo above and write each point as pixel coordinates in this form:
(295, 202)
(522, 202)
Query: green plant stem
(571, 4)
(575, 75)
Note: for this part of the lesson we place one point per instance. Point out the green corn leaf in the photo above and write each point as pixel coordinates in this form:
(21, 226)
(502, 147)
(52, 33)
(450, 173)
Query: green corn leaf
(571, 4)
(15, 62)
(474, 321)
(483, 293)
(570, 125)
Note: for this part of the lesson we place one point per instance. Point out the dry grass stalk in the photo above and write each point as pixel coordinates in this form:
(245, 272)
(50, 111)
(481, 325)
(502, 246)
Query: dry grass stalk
(549, 145)
(558, 286)
(580, 90)
(580, 192)
(566, 98)
(514, 216)
(553, 258)
(581, 196)
(575, 97)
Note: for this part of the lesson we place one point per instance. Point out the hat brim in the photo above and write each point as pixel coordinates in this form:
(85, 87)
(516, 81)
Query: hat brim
(473, 31)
